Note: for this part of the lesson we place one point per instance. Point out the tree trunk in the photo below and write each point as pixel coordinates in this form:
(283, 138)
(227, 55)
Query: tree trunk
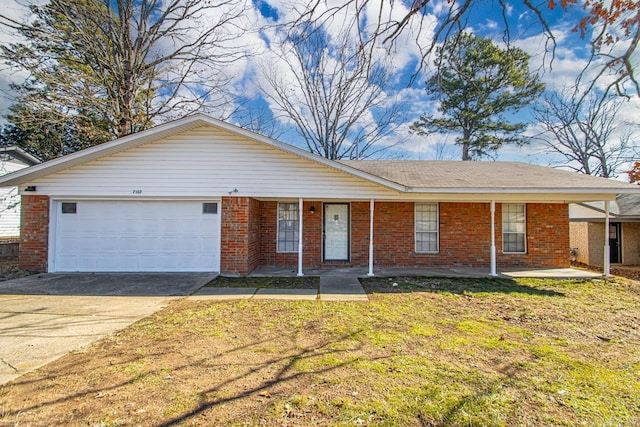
(466, 135)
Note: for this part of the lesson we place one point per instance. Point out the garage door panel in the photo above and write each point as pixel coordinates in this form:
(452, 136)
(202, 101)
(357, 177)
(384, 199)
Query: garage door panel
(137, 236)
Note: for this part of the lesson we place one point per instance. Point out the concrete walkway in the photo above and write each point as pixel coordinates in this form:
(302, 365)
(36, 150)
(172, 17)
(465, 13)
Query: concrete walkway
(341, 288)
(332, 288)
(343, 285)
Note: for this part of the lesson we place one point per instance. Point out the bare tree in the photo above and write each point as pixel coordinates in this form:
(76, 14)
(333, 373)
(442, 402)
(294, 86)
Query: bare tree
(586, 132)
(108, 68)
(611, 29)
(334, 93)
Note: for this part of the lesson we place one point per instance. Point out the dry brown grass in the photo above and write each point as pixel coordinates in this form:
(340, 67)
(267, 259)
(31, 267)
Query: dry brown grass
(426, 352)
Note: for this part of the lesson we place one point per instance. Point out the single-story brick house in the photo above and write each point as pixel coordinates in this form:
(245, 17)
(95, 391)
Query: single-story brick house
(587, 231)
(198, 194)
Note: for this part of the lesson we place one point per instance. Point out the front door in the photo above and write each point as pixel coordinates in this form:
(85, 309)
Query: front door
(615, 243)
(336, 232)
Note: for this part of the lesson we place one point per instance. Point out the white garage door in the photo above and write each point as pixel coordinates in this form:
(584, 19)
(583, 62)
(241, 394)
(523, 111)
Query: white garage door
(111, 235)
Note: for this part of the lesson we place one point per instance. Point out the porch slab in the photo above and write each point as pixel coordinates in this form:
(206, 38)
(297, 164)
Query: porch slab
(223, 293)
(462, 272)
(553, 273)
(286, 294)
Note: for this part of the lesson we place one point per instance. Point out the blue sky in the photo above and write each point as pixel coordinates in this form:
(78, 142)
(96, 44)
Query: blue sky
(485, 19)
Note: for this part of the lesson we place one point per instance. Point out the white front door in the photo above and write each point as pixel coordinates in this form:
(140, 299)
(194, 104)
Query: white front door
(336, 232)
(126, 235)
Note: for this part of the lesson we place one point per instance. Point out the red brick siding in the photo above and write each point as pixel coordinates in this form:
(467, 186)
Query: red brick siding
(360, 233)
(269, 249)
(240, 235)
(34, 233)
(255, 236)
(312, 236)
(547, 237)
(464, 239)
(312, 239)
(465, 236)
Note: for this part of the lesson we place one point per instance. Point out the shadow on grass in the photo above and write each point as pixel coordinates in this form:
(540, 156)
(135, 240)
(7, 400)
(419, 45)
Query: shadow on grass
(458, 286)
(263, 372)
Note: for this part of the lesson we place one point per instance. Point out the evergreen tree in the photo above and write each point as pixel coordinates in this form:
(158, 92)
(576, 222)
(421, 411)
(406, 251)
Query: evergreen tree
(476, 84)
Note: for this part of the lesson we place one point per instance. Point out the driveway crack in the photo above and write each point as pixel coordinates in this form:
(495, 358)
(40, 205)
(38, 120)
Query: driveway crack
(9, 365)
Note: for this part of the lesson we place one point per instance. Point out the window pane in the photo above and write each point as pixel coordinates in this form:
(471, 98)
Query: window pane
(514, 226)
(210, 208)
(288, 224)
(69, 208)
(426, 227)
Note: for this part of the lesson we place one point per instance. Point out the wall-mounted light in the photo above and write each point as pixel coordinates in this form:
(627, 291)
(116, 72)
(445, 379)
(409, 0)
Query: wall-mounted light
(312, 209)
(30, 188)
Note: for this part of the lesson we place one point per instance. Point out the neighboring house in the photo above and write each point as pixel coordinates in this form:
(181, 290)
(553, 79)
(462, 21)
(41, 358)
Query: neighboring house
(198, 194)
(587, 231)
(11, 160)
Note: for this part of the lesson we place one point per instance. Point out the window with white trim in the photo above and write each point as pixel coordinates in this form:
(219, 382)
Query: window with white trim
(514, 226)
(288, 227)
(426, 227)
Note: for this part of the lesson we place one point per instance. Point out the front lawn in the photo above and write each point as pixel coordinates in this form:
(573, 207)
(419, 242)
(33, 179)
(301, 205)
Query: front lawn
(306, 282)
(421, 352)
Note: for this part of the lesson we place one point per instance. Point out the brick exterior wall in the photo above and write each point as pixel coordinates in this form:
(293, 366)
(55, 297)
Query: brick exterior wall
(239, 236)
(547, 237)
(465, 230)
(34, 233)
(249, 236)
(312, 239)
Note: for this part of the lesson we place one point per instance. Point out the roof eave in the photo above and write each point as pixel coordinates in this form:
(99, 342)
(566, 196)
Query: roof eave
(491, 190)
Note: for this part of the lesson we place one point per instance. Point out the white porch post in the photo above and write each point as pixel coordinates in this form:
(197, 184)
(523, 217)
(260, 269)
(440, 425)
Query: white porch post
(301, 215)
(493, 239)
(371, 206)
(607, 252)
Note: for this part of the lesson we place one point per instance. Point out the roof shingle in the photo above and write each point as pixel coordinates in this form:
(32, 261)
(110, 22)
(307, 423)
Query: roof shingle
(479, 175)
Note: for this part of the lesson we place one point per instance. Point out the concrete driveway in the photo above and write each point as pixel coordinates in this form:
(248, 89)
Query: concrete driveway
(45, 316)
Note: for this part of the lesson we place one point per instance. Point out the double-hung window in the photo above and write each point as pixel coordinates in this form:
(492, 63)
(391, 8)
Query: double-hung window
(426, 227)
(514, 226)
(288, 227)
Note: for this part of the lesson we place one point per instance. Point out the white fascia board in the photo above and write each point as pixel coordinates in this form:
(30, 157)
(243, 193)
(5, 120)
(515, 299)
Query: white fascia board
(20, 155)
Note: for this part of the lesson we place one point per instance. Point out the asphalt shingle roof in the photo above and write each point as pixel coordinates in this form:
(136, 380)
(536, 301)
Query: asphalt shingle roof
(479, 175)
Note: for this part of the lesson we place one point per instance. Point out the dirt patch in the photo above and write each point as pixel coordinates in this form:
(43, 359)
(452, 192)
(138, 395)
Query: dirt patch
(421, 353)
(9, 269)
(629, 272)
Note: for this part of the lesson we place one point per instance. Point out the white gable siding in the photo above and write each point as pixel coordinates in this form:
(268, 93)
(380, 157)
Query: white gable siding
(10, 201)
(207, 162)
(577, 211)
